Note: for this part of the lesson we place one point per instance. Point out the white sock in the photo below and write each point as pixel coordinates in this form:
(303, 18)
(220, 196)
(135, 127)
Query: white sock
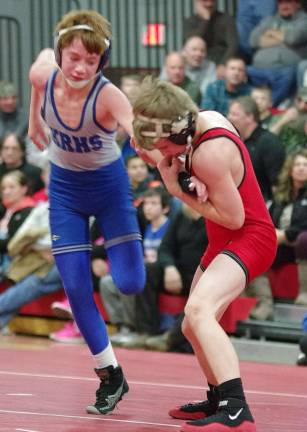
(106, 358)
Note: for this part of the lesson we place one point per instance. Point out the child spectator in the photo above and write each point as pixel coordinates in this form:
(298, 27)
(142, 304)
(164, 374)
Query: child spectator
(263, 98)
(156, 205)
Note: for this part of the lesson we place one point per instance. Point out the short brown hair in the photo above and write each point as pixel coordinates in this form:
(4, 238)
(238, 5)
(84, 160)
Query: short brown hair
(161, 100)
(94, 42)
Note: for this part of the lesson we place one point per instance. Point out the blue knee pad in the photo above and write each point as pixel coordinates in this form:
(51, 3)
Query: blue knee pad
(127, 266)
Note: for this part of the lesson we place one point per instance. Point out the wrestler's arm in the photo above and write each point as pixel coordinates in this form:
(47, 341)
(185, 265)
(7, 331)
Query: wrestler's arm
(212, 166)
(121, 110)
(38, 75)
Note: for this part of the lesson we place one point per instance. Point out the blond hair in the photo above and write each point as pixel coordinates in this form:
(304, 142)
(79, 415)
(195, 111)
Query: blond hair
(159, 100)
(95, 41)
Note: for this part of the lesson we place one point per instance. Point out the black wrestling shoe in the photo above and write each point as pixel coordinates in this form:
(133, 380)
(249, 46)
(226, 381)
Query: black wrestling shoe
(301, 359)
(198, 409)
(233, 415)
(112, 388)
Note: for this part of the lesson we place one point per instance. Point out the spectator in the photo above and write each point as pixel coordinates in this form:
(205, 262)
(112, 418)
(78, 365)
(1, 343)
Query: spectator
(12, 117)
(263, 98)
(280, 42)
(16, 207)
(12, 154)
(156, 206)
(221, 92)
(140, 177)
(248, 16)
(178, 257)
(175, 73)
(289, 214)
(291, 125)
(217, 28)
(265, 149)
(32, 268)
(129, 85)
(198, 67)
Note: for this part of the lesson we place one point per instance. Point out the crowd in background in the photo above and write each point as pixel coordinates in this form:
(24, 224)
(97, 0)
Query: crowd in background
(252, 68)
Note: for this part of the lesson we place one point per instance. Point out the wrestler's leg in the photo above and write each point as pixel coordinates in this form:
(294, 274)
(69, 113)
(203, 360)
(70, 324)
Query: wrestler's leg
(221, 283)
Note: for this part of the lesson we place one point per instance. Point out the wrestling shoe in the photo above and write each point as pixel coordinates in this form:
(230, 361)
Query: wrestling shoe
(196, 410)
(112, 388)
(233, 415)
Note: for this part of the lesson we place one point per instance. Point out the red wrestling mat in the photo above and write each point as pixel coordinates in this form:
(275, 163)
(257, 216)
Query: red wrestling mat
(45, 387)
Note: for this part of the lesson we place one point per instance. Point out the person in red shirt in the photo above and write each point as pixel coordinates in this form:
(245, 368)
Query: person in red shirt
(207, 166)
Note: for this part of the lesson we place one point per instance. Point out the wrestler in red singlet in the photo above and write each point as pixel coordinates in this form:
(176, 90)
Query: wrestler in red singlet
(254, 245)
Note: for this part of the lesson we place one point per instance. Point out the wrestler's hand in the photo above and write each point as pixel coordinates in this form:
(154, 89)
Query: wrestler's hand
(200, 189)
(169, 168)
(39, 134)
(172, 280)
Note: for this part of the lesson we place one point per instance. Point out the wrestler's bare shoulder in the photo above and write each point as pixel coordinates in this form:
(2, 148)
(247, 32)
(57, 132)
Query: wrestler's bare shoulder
(213, 119)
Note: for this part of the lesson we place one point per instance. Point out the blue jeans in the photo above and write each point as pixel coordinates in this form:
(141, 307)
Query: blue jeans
(28, 289)
(281, 80)
(249, 14)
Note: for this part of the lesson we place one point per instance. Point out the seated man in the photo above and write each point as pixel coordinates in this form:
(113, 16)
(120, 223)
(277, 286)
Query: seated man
(280, 42)
(176, 74)
(249, 14)
(198, 67)
(217, 28)
(220, 93)
(13, 119)
(266, 151)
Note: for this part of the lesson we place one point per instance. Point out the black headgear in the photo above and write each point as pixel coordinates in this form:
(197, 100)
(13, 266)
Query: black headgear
(105, 56)
(177, 130)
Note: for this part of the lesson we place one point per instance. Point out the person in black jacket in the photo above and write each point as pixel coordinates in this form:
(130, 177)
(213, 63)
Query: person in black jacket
(266, 151)
(218, 29)
(179, 254)
(13, 157)
(289, 214)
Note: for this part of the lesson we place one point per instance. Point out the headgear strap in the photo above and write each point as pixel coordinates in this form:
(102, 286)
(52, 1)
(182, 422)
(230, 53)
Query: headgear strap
(177, 130)
(105, 56)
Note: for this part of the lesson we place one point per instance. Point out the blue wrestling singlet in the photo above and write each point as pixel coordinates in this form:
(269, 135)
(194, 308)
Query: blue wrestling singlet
(88, 178)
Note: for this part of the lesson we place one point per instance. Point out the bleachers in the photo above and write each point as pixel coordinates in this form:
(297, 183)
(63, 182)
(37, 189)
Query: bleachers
(285, 326)
(37, 318)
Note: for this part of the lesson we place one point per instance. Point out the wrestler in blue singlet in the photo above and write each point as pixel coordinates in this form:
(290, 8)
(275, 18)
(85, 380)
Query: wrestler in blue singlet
(88, 178)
